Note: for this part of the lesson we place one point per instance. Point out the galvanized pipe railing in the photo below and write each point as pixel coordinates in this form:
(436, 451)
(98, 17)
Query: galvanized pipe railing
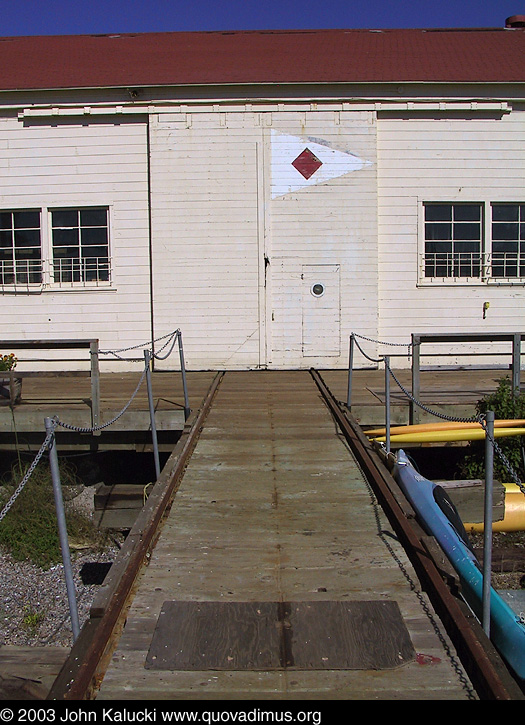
(65, 344)
(488, 425)
(515, 338)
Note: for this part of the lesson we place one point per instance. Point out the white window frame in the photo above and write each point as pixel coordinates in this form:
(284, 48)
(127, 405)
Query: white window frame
(17, 268)
(49, 281)
(485, 278)
(520, 256)
(55, 281)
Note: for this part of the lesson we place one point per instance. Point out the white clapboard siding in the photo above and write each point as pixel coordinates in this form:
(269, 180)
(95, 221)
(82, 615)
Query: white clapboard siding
(228, 253)
(450, 159)
(67, 164)
(330, 223)
(205, 238)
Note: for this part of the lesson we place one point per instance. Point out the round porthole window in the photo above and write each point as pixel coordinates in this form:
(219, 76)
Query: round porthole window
(317, 289)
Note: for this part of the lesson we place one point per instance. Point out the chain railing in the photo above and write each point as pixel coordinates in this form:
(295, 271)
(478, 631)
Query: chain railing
(486, 421)
(49, 444)
(389, 373)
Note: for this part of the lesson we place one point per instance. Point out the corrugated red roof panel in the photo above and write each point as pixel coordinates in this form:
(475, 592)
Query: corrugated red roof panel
(302, 56)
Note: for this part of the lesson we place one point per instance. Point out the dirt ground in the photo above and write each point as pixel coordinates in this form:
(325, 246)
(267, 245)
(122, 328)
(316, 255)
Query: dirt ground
(508, 560)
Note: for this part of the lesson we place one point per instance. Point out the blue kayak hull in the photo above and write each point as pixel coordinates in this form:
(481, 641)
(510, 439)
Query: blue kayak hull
(439, 518)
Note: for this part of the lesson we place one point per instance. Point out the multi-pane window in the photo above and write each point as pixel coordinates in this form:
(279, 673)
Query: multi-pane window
(80, 244)
(453, 240)
(508, 240)
(20, 248)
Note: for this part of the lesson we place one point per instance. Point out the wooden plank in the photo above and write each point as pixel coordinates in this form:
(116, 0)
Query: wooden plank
(275, 635)
(348, 635)
(27, 673)
(295, 525)
(216, 636)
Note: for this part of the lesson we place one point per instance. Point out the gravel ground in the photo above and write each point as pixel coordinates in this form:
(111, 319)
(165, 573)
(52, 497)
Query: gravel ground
(34, 607)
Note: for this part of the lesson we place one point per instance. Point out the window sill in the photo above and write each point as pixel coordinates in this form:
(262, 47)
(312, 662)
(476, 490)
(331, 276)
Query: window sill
(54, 288)
(468, 282)
(79, 287)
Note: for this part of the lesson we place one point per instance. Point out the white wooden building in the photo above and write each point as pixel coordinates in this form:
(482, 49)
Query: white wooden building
(268, 193)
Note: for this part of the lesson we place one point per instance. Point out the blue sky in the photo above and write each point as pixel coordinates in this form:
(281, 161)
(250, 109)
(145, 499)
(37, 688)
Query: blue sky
(59, 17)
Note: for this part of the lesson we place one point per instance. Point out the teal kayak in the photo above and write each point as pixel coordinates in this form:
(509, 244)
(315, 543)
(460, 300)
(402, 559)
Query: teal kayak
(439, 517)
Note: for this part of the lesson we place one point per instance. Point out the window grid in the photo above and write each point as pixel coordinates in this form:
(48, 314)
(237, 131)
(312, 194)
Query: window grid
(508, 240)
(20, 248)
(473, 242)
(453, 235)
(80, 245)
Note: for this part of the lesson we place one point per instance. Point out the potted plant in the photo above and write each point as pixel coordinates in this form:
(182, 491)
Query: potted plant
(10, 387)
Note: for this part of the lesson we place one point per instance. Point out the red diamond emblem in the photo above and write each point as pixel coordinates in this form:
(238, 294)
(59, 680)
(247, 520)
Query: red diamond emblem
(307, 163)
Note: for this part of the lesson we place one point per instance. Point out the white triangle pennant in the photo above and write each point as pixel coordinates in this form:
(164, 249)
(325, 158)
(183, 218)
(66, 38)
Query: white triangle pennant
(301, 162)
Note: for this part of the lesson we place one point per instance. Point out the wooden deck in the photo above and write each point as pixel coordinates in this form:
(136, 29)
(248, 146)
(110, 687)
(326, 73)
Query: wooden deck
(68, 398)
(451, 392)
(274, 510)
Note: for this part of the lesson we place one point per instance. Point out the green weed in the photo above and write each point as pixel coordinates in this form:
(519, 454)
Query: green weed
(505, 405)
(29, 530)
(31, 619)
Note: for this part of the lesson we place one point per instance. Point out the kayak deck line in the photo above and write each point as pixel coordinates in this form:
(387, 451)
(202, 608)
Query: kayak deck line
(448, 425)
(450, 436)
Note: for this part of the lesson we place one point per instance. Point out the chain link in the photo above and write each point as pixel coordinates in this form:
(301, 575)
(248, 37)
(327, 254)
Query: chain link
(378, 360)
(380, 342)
(143, 345)
(474, 419)
(173, 339)
(505, 460)
(57, 421)
(170, 338)
(480, 418)
(28, 474)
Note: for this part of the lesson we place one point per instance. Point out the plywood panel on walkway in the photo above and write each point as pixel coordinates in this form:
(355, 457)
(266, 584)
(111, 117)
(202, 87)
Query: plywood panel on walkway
(273, 508)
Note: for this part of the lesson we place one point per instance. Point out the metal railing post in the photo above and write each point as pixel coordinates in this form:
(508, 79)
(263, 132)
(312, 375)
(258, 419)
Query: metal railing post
(516, 363)
(387, 402)
(95, 385)
(487, 524)
(416, 380)
(187, 409)
(350, 372)
(62, 529)
(147, 361)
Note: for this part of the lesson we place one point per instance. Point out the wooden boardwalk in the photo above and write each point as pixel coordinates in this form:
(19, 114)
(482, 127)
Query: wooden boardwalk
(273, 510)
(69, 399)
(454, 392)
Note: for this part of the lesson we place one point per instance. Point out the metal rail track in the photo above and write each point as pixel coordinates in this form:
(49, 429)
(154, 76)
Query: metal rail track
(85, 666)
(484, 666)
(84, 669)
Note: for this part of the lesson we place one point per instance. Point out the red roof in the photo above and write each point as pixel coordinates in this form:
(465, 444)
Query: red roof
(281, 56)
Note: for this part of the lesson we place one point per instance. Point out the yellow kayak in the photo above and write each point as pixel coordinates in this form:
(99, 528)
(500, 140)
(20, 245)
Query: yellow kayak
(447, 436)
(514, 519)
(451, 425)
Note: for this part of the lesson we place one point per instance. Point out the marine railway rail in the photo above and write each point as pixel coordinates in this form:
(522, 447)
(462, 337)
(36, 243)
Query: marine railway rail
(84, 669)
